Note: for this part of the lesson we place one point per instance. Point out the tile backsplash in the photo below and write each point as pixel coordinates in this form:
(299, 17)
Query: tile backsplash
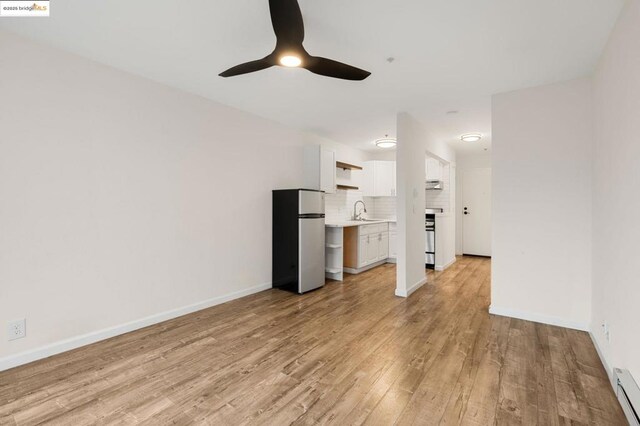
(381, 207)
(339, 206)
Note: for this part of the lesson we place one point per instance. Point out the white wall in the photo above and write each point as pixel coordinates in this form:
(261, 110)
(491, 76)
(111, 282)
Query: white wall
(445, 241)
(121, 199)
(382, 154)
(414, 142)
(542, 141)
(463, 164)
(616, 196)
(410, 177)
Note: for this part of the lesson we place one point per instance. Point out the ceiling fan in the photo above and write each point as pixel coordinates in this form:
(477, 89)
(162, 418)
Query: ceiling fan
(286, 18)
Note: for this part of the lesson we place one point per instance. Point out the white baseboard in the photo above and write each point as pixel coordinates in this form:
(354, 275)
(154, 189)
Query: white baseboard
(410, 290)
(544, 319)
(444, 267)
(604, 361)
(26, 357)
(392, 260)
(356, 271)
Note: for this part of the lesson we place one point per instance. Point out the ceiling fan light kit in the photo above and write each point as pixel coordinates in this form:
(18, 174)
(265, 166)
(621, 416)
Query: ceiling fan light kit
(288, 26)
(290, 61)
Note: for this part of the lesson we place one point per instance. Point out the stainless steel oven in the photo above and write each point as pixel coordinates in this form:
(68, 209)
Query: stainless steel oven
(430, 241)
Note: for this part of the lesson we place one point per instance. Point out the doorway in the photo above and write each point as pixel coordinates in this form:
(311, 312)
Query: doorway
(476, 212)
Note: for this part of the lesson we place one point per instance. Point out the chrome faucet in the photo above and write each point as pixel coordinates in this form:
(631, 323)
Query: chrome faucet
(356, 216)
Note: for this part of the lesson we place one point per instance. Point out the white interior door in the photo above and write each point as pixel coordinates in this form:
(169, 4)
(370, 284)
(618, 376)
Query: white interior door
(476, 212)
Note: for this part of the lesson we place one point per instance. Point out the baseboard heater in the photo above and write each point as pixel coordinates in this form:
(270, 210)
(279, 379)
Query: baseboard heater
(628, 394)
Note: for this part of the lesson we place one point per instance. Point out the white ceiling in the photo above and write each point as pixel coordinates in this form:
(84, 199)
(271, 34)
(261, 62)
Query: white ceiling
(449, 55)
(448, 121)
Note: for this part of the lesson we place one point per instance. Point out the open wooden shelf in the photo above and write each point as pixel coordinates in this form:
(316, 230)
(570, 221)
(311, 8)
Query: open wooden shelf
(347, 187)
(347, 166)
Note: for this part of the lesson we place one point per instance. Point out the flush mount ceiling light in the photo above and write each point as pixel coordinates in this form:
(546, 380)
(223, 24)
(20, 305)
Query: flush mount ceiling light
(471, 137)
(386, 142)
(290, 61)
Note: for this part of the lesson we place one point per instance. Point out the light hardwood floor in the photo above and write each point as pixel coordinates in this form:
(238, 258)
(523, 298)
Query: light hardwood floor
(350, 353)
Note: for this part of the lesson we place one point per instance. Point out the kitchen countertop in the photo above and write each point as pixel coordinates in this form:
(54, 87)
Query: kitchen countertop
(348, 223)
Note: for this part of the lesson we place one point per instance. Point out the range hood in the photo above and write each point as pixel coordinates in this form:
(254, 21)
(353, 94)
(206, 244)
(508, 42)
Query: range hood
(434, 185)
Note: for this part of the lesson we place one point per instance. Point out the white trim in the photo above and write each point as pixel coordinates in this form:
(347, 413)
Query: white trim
(26, 357)
(356, 271)
(442, 268)
(606, 365)
(544, 319)
(410, 290)
(392, 260)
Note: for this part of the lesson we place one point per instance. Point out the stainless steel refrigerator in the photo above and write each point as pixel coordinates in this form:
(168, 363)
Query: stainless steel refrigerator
(298, 240)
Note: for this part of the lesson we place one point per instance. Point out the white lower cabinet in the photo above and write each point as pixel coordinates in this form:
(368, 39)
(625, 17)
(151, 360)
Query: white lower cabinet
(372, 249)
(363, 250)
(373, 244)
(383, 247)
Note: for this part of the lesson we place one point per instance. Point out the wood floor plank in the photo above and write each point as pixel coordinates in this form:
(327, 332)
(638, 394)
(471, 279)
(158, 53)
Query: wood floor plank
(484, 396)
(351, 353)
(546, 395)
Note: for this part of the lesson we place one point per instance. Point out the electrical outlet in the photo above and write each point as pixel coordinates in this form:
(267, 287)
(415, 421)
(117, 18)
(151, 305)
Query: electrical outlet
(17, 329)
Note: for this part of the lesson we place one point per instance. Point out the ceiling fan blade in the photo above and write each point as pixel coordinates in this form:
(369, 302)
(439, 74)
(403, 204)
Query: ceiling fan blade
(286, 18)
(248, 67)
(335, 69)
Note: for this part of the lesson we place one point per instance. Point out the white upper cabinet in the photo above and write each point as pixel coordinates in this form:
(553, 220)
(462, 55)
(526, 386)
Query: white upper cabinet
(379, 179)
(320, 169)
(433, 169)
